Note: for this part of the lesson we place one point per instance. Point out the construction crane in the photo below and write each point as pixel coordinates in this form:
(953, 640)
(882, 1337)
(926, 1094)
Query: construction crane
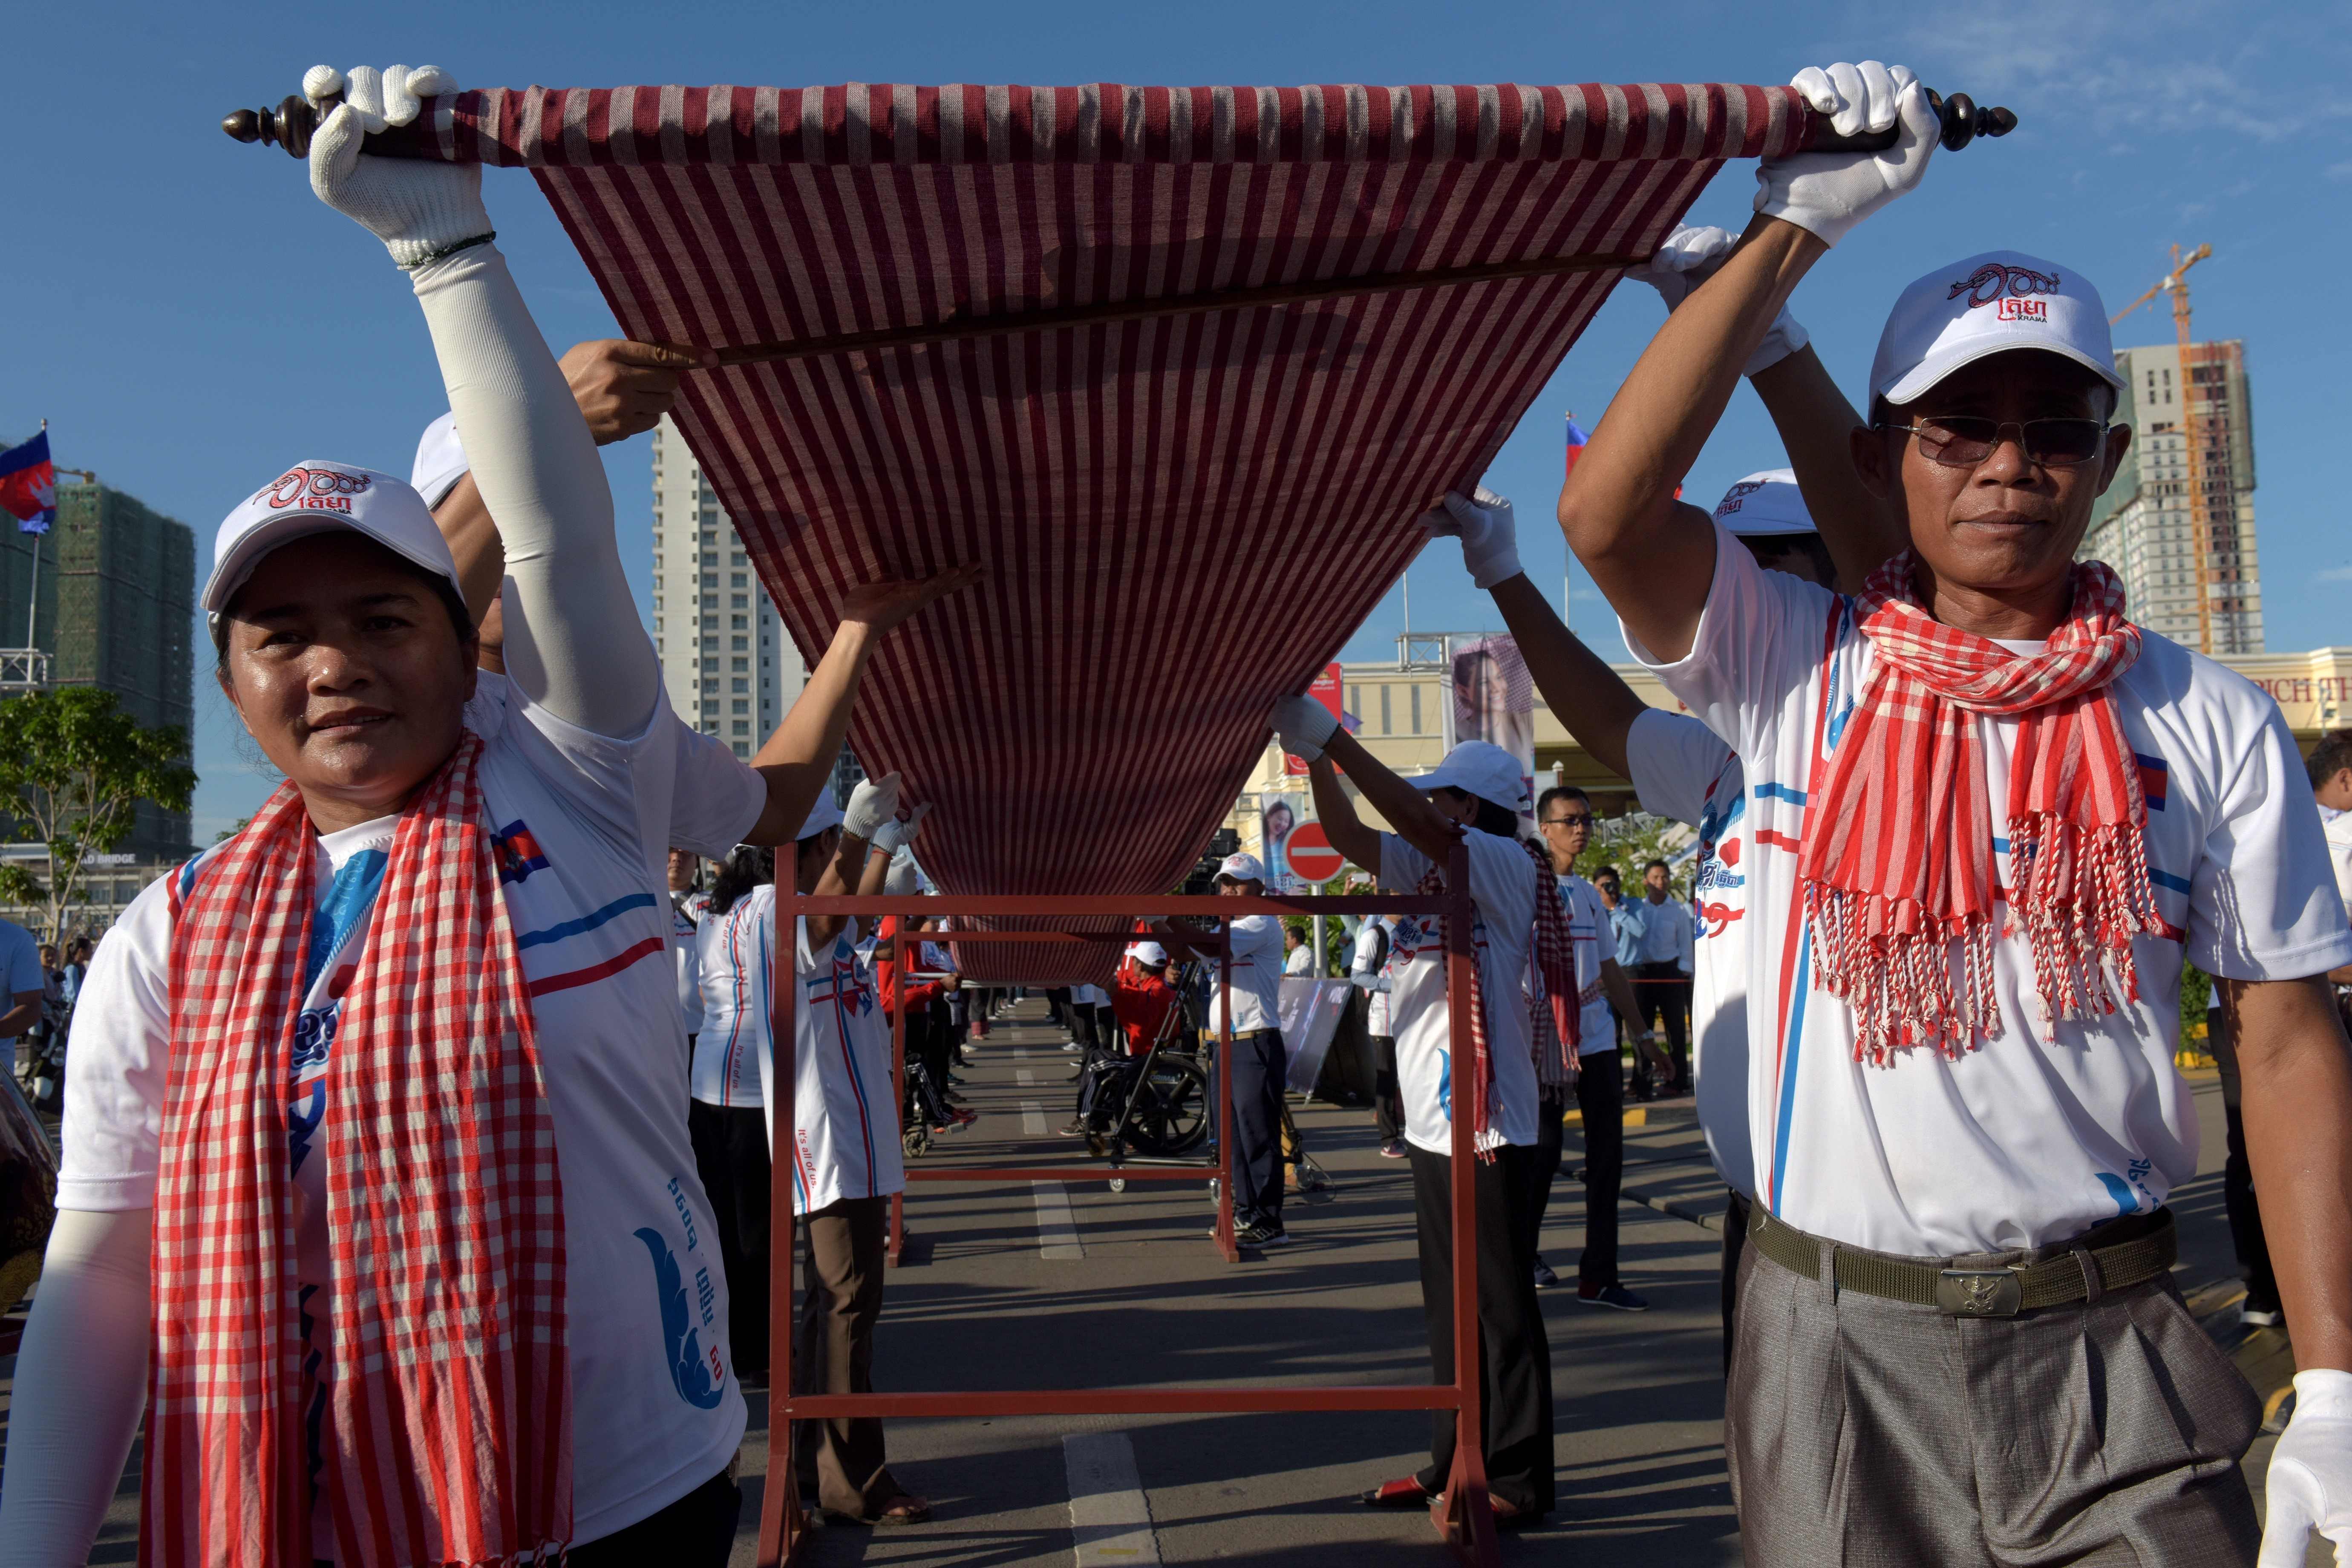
(2192, 434)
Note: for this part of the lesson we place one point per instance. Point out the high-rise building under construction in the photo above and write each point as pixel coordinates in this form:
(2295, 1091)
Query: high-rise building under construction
(2204, 592)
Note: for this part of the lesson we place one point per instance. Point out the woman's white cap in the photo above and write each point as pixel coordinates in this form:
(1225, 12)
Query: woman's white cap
(315, 496)
(1763, 504)
(824, 813)
(440, 461)
(1989, 304)
(1481, 768)
(1150, 955)
(1240, 867)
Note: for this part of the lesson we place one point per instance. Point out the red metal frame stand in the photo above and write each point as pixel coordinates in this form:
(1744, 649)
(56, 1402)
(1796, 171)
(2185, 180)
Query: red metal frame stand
(1464, 1518)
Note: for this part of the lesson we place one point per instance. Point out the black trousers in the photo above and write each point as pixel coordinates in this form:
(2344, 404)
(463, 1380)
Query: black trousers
(1551, 1113)
(2246, 1238)
(1601, 1095)
(1664, 991)
(697, 1530)
(730, 1155)
(1258, 1066)
(1388, 1101)
(1515, 1354)
(1734, 1242)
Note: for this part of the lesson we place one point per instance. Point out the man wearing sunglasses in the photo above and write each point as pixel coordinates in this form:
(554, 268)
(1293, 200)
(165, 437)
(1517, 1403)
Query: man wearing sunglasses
(1991, 820)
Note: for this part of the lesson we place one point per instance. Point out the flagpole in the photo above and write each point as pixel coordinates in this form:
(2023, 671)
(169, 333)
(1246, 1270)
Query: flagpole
(33, 610)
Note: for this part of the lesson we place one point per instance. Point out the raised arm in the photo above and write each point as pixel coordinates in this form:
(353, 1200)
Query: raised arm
(1583, 692)
(1310, 731)
(1654, 563)
(797, 760)
(573, 643)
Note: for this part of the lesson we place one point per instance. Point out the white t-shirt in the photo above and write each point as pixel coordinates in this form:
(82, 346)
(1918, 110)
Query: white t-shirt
(584, 822)
(1587, 922)
(1360, 962)
(1682, 770)
(735, 958)
(685, 917)
(1299, 961)
(2337, 828)
(1503, 887)
(844, 1099)
(2043, 1131)
(1257, 977)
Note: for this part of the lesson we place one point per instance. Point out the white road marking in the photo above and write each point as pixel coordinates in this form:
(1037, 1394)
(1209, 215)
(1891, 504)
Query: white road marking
(1110, 1519)
(1057, 1228)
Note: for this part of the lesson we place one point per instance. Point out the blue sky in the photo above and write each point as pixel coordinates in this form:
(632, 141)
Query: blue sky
(190, 321)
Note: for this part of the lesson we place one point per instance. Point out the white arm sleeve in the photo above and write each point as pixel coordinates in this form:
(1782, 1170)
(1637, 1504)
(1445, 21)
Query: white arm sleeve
(80, 1388)
(574, 642)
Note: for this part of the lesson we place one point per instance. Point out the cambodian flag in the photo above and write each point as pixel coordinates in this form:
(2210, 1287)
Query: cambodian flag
(1575, 440)
(28, 485)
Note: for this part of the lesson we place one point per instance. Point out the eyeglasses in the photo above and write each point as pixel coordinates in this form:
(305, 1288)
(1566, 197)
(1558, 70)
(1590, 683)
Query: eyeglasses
(1578, 819)
(1964, 440)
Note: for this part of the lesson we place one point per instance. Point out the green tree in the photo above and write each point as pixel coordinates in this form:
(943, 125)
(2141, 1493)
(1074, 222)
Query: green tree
(73, 769)
(1632, 841)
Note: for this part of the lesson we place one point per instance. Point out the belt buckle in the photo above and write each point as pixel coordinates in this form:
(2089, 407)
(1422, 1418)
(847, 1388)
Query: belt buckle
(1979, 1292)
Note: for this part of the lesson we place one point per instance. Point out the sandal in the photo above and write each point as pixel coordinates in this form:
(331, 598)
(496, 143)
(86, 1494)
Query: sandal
(903, 1509)
(1406, 1492)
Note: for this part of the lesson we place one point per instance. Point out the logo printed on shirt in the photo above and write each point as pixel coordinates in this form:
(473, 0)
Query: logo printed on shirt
(697, 1374)
(519, 854)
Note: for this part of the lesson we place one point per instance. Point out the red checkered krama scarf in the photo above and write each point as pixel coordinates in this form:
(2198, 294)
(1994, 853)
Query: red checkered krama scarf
(1897, 865)
(1554, 951)
(449, 1425)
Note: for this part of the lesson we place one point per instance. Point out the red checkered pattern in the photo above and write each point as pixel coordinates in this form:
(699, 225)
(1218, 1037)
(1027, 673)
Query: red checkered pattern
(1897, 858)
(1182, 518)
(449, 1418)
(1555, 1027)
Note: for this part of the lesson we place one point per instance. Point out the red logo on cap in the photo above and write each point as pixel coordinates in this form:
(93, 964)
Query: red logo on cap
(313, 490)
(1998, 280)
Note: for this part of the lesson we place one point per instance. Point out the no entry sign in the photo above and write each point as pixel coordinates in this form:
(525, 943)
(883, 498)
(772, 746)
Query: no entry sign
(1311, 854)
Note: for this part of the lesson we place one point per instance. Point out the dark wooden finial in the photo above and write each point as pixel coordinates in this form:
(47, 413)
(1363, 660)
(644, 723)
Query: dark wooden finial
(1963, 121)
(289, 125)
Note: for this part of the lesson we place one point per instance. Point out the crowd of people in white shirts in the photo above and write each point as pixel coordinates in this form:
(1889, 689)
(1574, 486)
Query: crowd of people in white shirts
(409, 1249)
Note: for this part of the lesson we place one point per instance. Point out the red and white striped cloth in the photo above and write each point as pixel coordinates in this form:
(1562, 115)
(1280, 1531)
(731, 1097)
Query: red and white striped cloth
(448, 1433)
(1184, 518)
(1898, 869)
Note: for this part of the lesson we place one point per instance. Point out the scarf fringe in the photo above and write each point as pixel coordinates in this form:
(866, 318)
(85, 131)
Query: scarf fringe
(1892, 966)
(2081, 897)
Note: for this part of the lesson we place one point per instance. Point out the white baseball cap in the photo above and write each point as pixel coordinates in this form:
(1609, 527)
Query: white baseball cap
(1764, 504)
(1483, 768)
(824, 813)
(1240, 867)
(1150, 955)
(1989, 304)
(440, 461)
(315, 496)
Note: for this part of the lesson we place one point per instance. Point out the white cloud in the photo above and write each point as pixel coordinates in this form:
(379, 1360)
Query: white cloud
(2336, 574)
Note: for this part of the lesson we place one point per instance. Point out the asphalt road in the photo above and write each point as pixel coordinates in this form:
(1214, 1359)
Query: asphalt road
(1004, 1288)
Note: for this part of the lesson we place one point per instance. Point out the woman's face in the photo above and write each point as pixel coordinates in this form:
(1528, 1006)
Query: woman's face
(1278, 822)
(345, 669)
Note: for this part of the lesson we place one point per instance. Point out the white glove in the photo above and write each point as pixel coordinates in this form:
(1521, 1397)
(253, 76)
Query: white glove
(420, 207)
(2310, 1484)
(1688, 257)
(1489, 536)
(1303, 724)
(900, 831)
(873, 802)
(1829, 193)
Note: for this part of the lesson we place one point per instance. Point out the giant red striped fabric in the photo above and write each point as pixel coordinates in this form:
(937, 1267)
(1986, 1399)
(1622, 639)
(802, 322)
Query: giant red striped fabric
(1183, 517)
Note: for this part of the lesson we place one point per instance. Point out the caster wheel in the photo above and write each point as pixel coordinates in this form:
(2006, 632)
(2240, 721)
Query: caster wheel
(1119, 1184)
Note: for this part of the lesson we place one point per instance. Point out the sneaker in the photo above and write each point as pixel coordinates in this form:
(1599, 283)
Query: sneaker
(1074, 1048)
(1545, 1277)
(1074, 1127)
(1393, 1150)
(1262, 1234)
(2254, 1317)
(1615, 1295)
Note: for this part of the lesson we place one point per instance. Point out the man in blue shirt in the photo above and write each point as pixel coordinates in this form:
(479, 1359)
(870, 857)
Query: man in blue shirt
(20, 966)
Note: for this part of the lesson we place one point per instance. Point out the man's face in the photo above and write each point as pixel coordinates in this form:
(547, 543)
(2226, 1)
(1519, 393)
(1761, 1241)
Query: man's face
(1455, 806)
(681, 869)
(1655, 879)
(812, 855)
(1611, 892)
(2336, 793)
(1567, 824)
(2006, 526)
(345, 669)
(1229, 889)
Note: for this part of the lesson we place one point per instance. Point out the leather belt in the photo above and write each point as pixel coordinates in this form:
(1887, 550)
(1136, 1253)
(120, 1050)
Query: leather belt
(2115, 1257)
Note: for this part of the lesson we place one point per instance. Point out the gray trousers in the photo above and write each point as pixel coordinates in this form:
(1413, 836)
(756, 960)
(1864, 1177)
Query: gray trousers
(1863, 1432)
